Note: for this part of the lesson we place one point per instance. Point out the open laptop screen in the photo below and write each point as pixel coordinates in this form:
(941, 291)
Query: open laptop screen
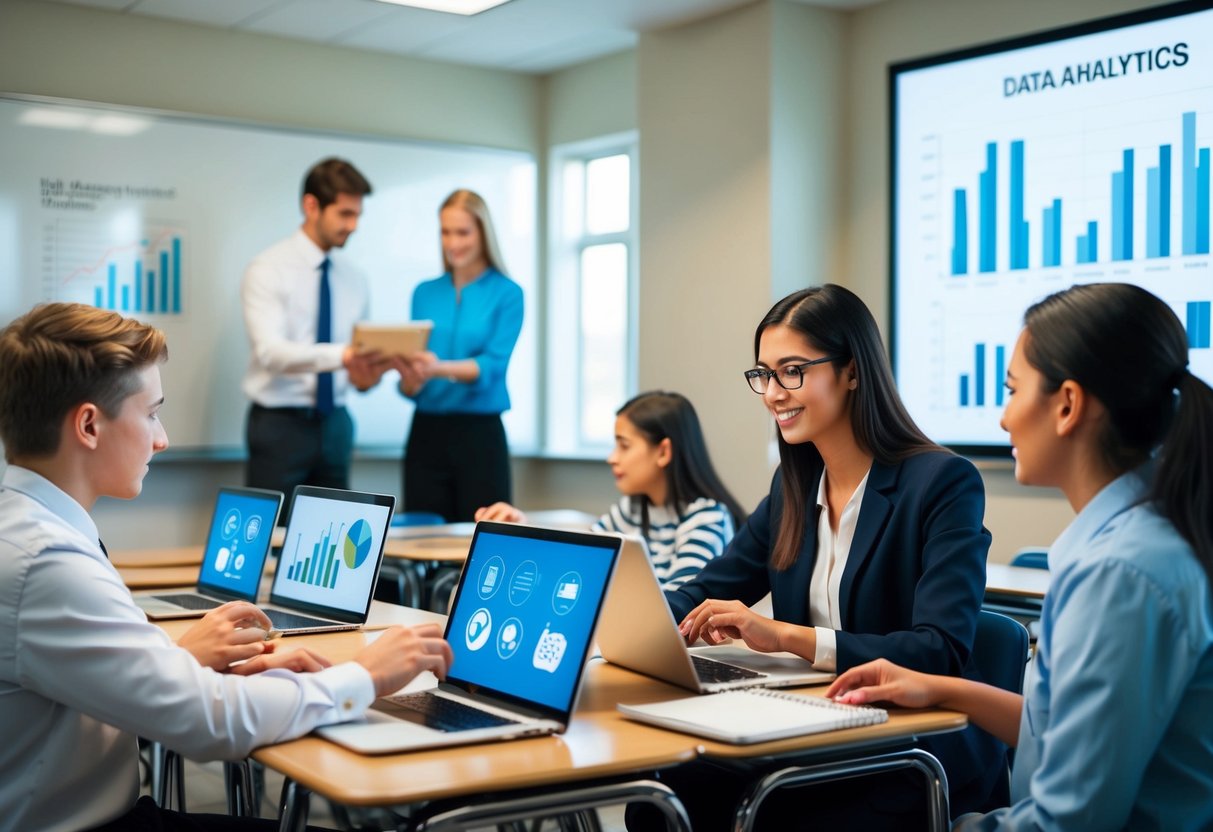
(523, 619)
(333, 547)
(239, 541)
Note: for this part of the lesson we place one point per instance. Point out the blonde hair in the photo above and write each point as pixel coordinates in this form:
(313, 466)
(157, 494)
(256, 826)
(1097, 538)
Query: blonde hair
(60, 355)
(472, 202)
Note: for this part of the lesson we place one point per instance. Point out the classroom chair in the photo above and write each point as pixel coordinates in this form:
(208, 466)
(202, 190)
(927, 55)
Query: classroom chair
(1000, 651)
(402, 583)
(1031, 557)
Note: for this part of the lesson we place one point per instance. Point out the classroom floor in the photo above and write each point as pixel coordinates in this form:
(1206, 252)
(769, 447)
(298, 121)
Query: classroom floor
(204, 792)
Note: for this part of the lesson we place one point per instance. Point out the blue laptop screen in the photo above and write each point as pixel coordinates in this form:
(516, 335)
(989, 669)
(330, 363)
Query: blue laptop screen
(525, 615)
(238, 542)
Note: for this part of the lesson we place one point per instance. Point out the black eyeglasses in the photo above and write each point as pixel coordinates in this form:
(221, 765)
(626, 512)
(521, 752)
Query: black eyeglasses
(789, 376)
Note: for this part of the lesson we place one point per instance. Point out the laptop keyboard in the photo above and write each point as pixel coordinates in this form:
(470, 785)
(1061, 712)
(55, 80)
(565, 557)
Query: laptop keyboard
(189, 602)
(439, 713)
(289, 621)
(711, 671)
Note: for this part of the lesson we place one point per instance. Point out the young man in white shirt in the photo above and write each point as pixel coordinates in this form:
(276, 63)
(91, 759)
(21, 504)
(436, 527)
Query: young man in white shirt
(82, 672)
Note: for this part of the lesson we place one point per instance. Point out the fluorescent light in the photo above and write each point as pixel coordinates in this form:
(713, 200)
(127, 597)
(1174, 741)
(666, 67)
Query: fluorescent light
(464, 7)
(116, 125)
(58, 119)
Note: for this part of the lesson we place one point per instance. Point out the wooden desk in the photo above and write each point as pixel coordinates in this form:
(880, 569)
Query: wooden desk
(145, 558)
(340, 646)
(1017, 581)
(599, 743)
(159, 577)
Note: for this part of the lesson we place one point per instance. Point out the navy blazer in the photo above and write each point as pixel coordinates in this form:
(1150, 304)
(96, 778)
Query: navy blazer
(911, 590)
(914, 578)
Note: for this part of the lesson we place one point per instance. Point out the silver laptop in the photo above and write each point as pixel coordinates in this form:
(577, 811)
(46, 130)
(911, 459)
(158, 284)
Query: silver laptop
(330, 560)
(521, 626)
(639, 632)
(236, 550)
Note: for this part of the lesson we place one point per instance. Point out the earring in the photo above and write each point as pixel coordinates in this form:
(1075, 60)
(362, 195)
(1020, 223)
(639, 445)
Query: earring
(853, 384)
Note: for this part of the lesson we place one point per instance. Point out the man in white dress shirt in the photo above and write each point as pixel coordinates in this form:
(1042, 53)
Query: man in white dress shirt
(82, 671)
(301, 301)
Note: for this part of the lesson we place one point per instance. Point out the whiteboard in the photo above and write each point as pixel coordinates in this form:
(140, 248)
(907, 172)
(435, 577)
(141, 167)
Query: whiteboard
(157, 215)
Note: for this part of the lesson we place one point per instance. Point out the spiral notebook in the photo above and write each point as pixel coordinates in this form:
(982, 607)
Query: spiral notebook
(753, 715)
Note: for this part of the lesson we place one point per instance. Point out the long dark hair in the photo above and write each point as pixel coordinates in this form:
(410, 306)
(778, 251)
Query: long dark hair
(690, 476)
(836, 322)
(1127, 348)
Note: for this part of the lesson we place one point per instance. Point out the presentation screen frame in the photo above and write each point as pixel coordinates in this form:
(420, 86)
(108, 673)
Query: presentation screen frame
(956, 297)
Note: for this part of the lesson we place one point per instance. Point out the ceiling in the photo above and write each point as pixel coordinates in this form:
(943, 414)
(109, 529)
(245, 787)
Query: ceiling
(534, 36)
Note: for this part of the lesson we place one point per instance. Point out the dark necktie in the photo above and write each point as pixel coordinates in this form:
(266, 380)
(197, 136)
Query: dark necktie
(324, 335)
(104, 550)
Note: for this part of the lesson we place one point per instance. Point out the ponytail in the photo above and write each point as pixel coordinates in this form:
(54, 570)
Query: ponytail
(1183, 483)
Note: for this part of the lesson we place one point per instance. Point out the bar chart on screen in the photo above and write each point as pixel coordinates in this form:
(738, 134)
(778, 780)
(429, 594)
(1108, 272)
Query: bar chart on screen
(124, 266)
(334, 551)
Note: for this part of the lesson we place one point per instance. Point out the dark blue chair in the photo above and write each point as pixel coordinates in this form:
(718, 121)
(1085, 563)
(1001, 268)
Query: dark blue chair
(417, 518)
(1031, 557)
(1000, 652)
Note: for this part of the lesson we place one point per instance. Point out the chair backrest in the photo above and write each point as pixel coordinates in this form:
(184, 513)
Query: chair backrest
(1032, 558)
(1000, 650)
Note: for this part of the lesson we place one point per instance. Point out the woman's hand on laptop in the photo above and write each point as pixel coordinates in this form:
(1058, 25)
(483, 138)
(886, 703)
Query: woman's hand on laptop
(397, 656)
(501, 512)
(231, 633)
(718, 621)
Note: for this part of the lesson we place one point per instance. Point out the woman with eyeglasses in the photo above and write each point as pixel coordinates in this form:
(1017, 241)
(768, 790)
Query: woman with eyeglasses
(870, 542)
(1113, 729)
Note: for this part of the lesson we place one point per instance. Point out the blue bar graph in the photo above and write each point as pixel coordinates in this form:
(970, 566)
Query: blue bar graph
(960, 233)
(164, 281)
(1050, 231)
(1000, 373)
(1018, 228)
(1122, 210)
(989, 212)
(1195, 190)
(176, 275)
(1087, 244)
(129, 283)
(964, 391)
(1158, 205)
(979, 375)
(1198, 324)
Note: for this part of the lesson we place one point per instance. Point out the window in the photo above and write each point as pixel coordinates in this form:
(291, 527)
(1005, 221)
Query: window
(591, 364)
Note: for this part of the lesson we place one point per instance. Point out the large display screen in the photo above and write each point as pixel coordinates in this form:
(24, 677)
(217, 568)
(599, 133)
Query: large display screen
(1022, 168)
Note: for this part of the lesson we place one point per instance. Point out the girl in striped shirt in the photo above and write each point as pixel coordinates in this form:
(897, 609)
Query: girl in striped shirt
(672, 496)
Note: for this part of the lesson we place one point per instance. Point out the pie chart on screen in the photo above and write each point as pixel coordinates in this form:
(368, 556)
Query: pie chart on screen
(357, 544)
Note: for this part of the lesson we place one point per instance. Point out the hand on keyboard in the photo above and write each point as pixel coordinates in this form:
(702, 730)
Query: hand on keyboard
(230, 633)
(400, 653)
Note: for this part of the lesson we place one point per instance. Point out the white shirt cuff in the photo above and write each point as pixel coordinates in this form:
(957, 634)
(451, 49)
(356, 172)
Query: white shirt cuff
(826, 656)
(352, 688)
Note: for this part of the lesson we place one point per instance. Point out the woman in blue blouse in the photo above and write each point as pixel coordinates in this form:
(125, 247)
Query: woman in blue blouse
(456, 458)
(1113, 729)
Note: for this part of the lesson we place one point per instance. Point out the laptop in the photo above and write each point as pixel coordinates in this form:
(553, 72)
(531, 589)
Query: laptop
(639, 632)
(330, 560)
(521, 626)
(235, 554)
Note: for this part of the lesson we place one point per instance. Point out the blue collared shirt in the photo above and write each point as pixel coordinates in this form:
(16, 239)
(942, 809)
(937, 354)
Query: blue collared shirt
(483, 325)
(1117, 726)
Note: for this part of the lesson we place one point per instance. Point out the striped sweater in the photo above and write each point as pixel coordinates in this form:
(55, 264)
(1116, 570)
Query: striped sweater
(679, 545)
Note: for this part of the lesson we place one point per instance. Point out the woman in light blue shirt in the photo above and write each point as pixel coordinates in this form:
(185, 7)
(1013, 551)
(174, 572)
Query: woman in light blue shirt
(456, 458)
(1113, 730)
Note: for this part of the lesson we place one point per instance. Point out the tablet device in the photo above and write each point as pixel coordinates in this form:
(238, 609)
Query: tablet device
(392, 339)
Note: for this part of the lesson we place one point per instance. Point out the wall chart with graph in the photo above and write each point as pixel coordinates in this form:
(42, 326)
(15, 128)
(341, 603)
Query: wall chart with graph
(1022, 168)
(157, 215)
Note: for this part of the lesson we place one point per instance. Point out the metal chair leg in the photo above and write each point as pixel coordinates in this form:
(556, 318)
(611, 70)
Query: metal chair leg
(560, 803)
(241, 798)
(938, 814)
(293, 807)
